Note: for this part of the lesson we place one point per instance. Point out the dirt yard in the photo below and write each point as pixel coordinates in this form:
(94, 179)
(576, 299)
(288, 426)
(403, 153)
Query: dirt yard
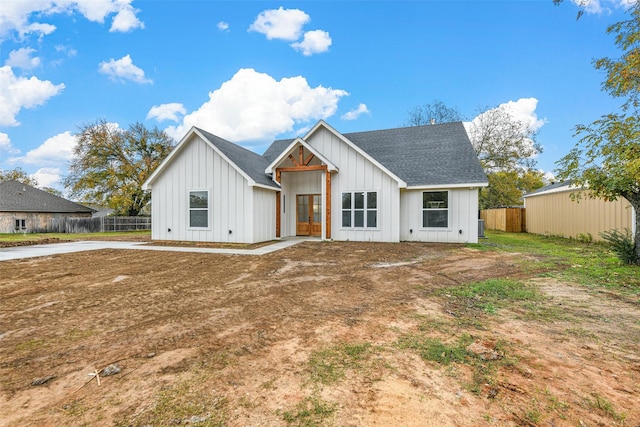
(332, 334)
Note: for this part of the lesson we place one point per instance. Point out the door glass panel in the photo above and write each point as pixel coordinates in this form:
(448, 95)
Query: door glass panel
(316, 208)
(303, 209)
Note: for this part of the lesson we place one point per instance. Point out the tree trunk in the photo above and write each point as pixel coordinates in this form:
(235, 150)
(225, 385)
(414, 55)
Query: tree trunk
(634, 199)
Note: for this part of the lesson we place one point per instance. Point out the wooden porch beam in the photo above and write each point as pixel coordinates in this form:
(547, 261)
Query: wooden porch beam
(308, 159)
(302, 168)
(294, 161)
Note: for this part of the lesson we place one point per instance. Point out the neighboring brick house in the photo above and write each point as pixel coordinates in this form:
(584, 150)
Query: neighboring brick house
(25, 209)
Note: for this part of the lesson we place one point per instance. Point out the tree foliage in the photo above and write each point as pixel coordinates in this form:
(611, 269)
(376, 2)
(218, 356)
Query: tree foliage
(606, 159)
(506, 188)
(434, 113)
(502, 142)
(110, 164)
(18, 174)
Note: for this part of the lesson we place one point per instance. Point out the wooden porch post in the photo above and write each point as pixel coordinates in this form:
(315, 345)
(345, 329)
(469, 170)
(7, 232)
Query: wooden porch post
(328, 202)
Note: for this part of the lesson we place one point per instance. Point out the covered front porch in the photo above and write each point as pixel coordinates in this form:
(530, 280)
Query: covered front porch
(303, 205)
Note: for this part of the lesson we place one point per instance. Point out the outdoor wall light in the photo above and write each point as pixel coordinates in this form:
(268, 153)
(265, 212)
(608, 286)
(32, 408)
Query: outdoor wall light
(230, 232)
(410, 230)
(459, 231)
(169, 230)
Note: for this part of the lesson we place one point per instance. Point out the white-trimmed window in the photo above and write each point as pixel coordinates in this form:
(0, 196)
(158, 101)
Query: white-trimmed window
(21, 224)
(360, 209)
(199, 209)
(435, 209)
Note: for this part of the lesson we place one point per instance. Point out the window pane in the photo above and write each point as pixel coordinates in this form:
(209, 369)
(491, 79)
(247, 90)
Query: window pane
(372, 200)
(435, 218)
(435, 200)
(358, 200)
(199, 218)
(198, 199)
(346, 200)
(358, 219)
(346, 218)
(372, 219)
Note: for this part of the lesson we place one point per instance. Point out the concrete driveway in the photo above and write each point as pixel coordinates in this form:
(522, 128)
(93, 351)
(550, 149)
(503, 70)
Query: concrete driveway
(22, 252)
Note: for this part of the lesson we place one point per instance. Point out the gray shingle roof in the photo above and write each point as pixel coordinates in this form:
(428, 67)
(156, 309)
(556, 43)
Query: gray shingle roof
(552, 186)
(424, 155)
(419, 155)
(251, 163)
(276, 148)
(18, 197)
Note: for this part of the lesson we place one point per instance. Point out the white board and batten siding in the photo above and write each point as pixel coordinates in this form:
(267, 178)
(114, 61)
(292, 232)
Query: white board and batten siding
(231, 201)
(463, 220)
(357, 173)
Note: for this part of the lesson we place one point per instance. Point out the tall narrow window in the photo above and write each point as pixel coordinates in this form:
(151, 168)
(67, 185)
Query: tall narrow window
(199, 209)
(435, 209)
(360, 209)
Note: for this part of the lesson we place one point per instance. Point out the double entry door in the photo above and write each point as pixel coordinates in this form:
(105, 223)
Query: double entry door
(308, 215)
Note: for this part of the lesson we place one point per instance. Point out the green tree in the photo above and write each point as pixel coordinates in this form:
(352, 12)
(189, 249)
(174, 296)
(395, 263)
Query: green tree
(434, 113)
(606, 159)
(110, 164)
(19, 175)
(506, 188)
(502, 142)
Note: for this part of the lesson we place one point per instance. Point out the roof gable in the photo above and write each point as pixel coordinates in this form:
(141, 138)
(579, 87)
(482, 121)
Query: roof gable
(18, 197)
(433, 155)
(246, 162)
(289, 149)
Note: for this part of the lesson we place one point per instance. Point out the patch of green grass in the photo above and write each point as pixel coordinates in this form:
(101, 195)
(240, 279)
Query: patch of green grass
(592, 264)
(311, 412)
(435, 350)
(31, 345)
(184, 403)
(20, 237)
(330, 365)
(604, 406)
(493, 294)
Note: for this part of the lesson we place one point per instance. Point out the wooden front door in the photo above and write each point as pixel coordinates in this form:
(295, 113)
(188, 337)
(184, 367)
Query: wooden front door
(309, 214)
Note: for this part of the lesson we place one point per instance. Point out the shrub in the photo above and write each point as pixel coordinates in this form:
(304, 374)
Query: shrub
(622, 245)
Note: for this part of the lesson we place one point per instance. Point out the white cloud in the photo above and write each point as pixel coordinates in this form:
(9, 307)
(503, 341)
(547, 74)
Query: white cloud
(354, 114)
(48, 177)
(524, 111)
(20, 15)
(123, 69)
(22, 58)
(222, 26)
(126, 20)
(5, 144)
(316, 41)
(282, 24)
(254, 106)
(167, 112)
(601, 6)
(17, 93)
(55, 150)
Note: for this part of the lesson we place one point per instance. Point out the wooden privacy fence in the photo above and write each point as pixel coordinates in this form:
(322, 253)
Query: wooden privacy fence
(100, 224)
(512, 220)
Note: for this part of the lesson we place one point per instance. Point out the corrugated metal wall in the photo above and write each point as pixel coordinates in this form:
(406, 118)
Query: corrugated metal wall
(556, 214)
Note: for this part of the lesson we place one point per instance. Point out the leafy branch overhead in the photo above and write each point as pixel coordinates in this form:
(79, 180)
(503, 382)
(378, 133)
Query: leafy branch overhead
(110, 164)
(606, 159)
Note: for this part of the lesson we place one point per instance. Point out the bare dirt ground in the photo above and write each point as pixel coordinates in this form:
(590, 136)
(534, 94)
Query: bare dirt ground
(310, 335)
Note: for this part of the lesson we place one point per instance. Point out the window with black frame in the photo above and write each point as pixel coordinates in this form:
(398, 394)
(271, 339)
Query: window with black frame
(435, 209)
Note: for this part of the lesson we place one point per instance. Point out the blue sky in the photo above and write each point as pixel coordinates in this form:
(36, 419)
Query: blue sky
(255, 71)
